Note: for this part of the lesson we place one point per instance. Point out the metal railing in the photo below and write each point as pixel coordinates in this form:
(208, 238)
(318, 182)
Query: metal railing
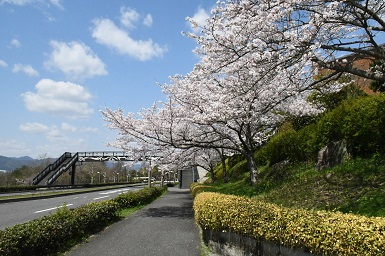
(51, 168)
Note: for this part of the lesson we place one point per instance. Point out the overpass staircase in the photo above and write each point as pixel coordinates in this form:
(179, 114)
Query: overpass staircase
(68, 161)
(49, 174)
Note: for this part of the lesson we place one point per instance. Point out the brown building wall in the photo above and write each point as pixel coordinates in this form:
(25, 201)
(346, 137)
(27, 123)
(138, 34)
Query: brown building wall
(359, 63)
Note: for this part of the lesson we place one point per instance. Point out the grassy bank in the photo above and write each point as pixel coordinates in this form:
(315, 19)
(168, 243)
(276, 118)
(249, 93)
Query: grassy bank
(356, 187)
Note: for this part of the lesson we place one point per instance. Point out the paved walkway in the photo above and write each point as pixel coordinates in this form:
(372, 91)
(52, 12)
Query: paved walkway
(164, 227)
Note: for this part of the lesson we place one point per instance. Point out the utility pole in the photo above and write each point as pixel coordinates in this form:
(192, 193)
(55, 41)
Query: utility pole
(149, 175)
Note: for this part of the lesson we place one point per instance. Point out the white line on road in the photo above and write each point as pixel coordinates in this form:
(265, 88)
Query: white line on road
(114, 191)
(100, 197)
(50, 209)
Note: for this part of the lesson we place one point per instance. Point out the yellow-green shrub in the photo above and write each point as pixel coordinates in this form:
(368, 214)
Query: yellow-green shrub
(320, 232)
(197, 188)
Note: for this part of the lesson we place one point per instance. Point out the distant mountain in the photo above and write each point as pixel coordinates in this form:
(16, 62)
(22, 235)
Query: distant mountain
(12, 163)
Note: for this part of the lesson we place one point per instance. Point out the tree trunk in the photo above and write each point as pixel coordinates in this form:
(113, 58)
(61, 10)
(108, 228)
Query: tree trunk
(223, 161)
(254, 177)
(212, 174)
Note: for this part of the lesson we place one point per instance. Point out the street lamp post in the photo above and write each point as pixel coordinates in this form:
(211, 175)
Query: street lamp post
(92, 175)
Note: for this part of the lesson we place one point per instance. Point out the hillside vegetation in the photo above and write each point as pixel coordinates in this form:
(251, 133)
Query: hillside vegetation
(357, 185)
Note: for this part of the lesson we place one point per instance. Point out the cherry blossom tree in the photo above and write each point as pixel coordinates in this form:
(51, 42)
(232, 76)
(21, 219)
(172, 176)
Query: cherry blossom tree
(237, 112)
(286, 31)
(207, 158)
(144, 135)
(256, 65)
(230, 111)
(353, 27)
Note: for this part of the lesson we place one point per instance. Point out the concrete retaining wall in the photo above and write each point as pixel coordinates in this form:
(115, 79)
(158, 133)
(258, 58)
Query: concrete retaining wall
(231, 244)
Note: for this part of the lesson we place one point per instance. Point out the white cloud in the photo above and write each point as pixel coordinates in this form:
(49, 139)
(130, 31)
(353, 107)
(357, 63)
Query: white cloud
(15, 43)
(128, 17)
(52, 133)
(16, 2)
(27, 69)
(91, 129)
(3, 64)
(34, 127)
(38, 3)
(76, 60)
(57, 3)
(41, 128)
(68, 127)
(13, 147)
(55, 134)
(199, 17)
(65, 98)
(148, 20)
(107, 33)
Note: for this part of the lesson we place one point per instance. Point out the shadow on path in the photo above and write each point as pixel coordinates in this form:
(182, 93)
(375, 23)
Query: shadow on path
(181, 212)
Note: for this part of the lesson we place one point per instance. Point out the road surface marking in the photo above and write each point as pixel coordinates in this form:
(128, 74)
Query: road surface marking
(50, 209)
(100, 197)
(114, 191)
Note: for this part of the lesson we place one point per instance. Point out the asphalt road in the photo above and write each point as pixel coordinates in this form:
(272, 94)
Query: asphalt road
(164, 227)
(24, 211)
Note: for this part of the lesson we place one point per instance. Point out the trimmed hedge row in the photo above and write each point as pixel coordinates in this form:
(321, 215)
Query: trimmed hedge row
(141, 197)
(197, 188)
(45, 235)
(318, 232)
(53, 233)
(12, 188)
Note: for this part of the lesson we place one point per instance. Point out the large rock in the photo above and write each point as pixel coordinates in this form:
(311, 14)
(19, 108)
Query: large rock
(278, 171)
(332, 154)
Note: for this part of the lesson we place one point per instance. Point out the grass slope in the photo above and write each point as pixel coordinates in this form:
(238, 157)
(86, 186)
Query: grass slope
(357, 186)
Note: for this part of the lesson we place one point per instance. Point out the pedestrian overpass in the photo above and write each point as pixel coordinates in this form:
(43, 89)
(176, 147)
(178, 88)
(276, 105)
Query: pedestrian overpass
(68, 162)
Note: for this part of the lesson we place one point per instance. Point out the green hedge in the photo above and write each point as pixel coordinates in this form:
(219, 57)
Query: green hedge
(45, 235)
(297, 146)
(18, 188)
(361, 122)
(144, 196)
(319, 232)
(53, 233)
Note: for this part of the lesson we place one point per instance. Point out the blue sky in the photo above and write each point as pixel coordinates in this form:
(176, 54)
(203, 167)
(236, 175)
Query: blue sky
(62, 61)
